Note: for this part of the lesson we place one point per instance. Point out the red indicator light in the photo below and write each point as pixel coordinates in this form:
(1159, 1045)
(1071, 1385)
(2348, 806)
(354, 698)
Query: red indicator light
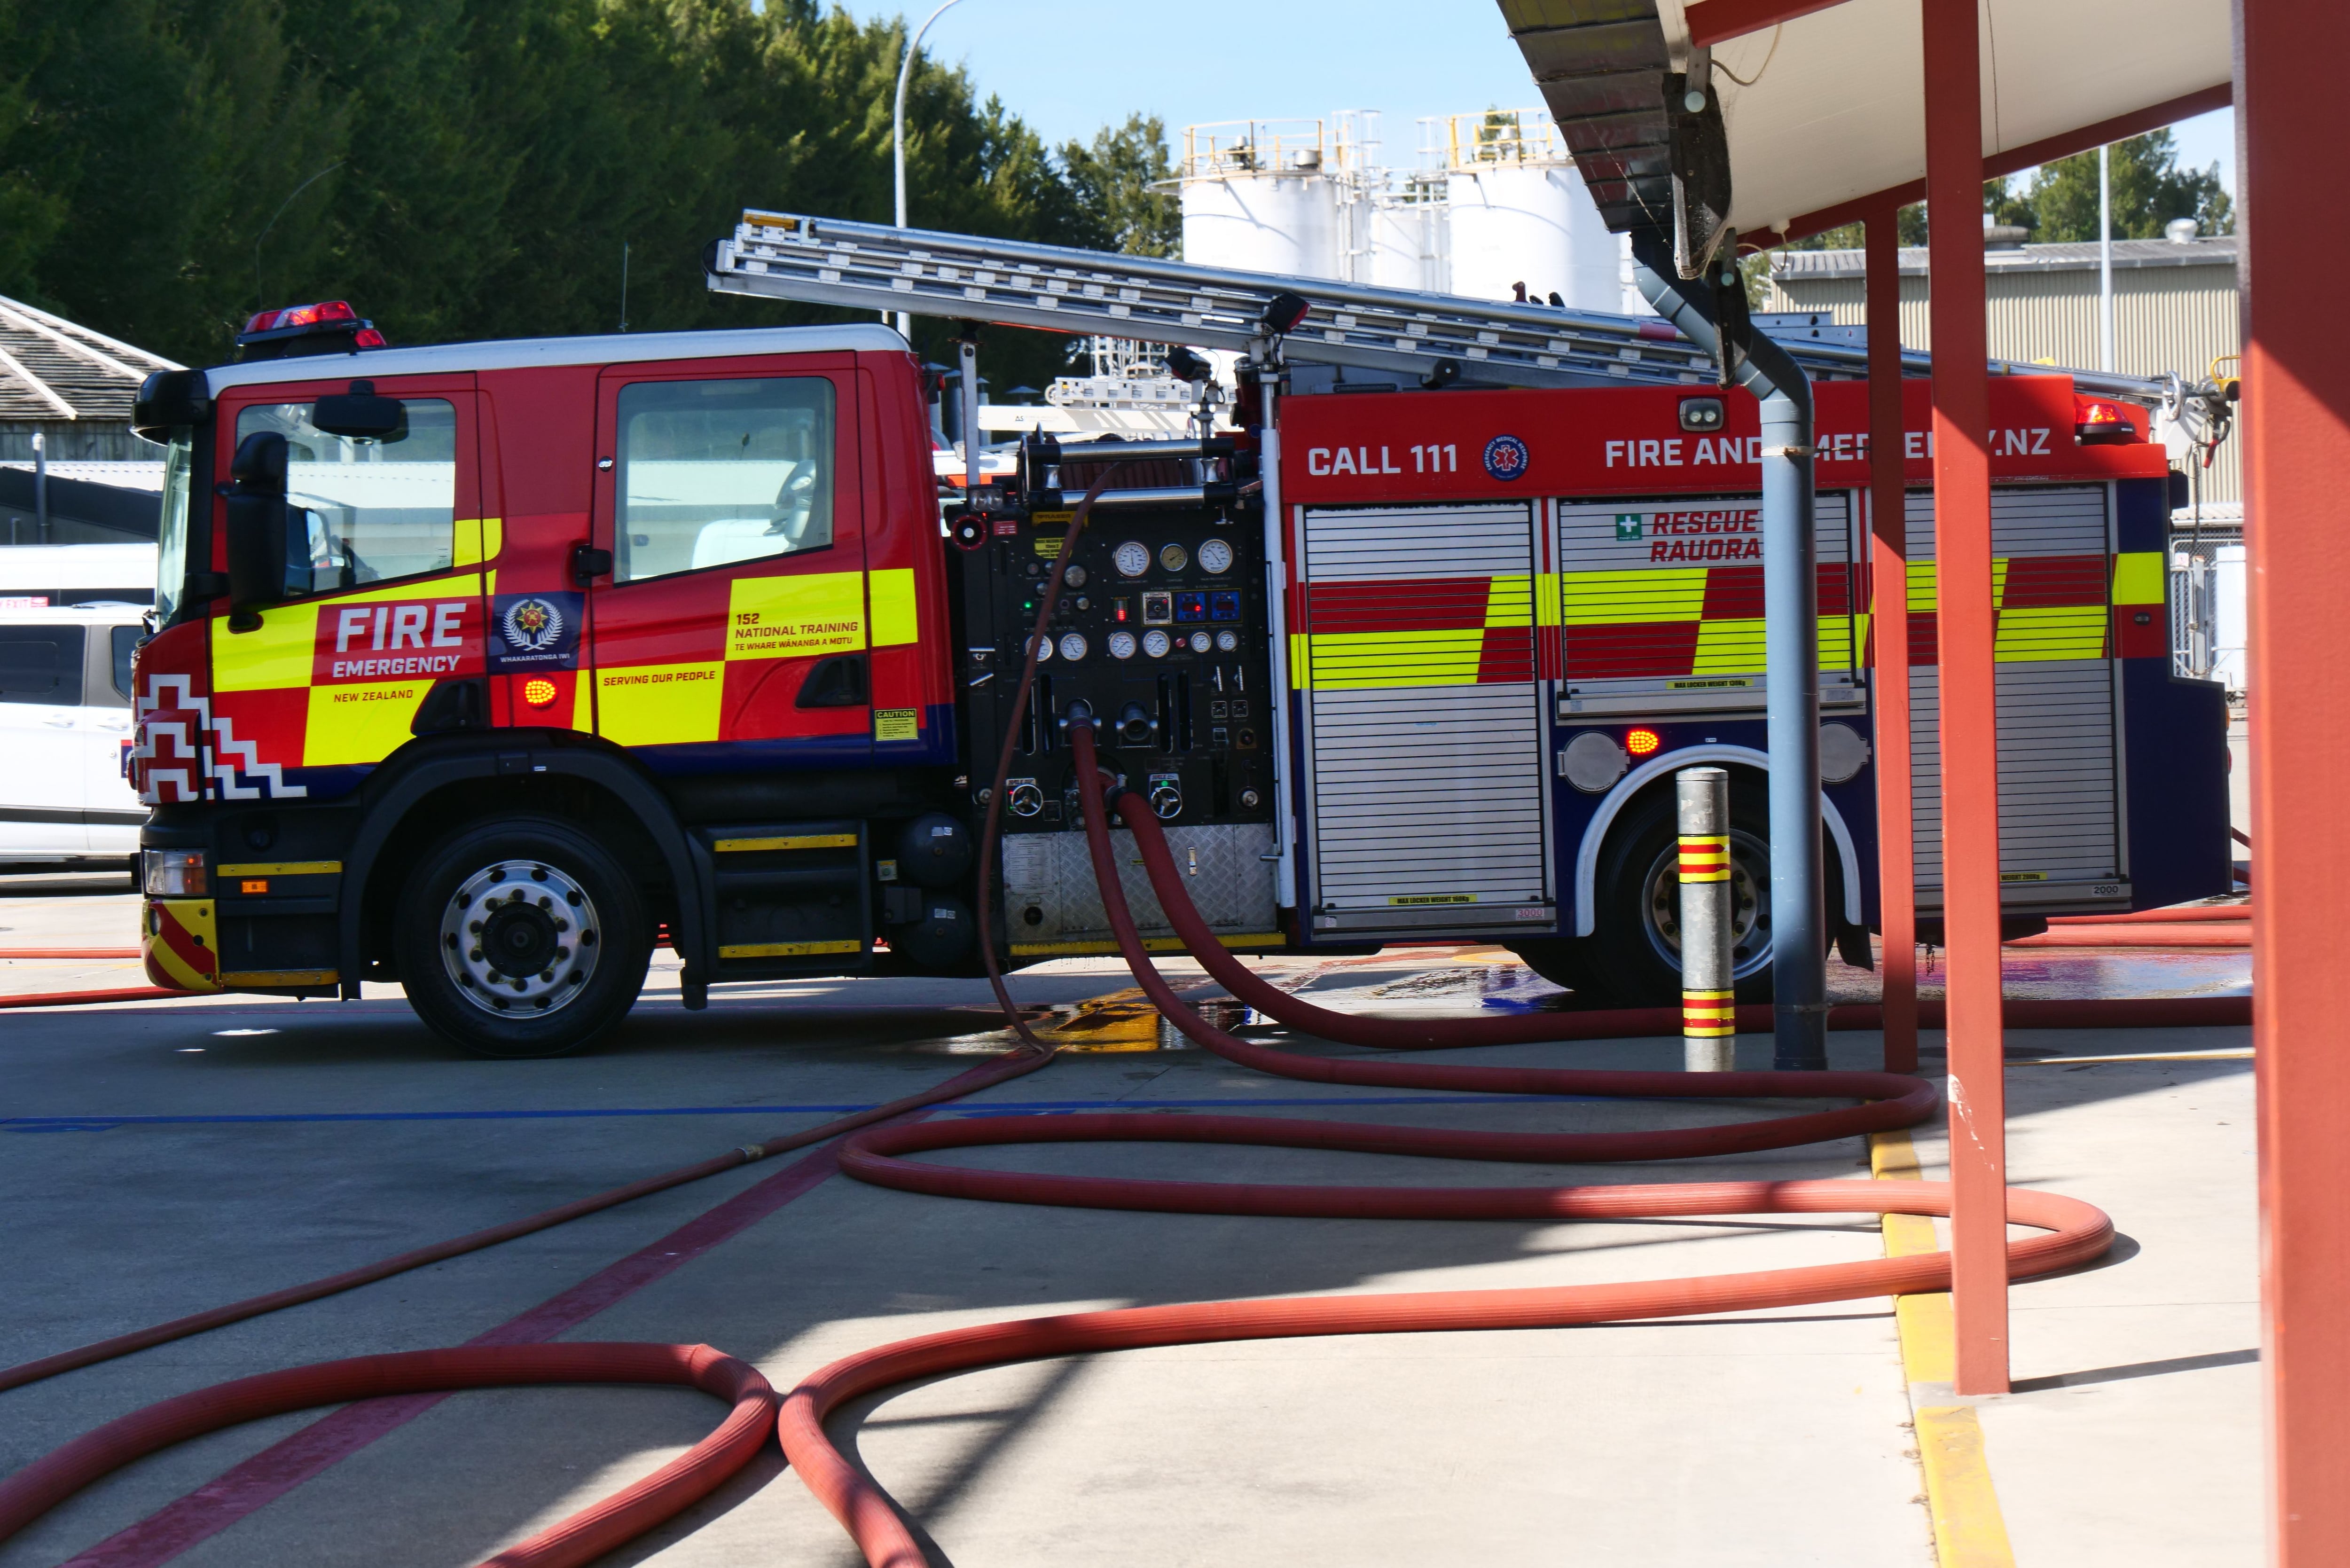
(367, 337)
(1641, 742)
(2096, 419)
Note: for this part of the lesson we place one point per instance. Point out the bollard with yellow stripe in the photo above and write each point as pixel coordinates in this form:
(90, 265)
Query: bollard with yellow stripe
(1709, 999)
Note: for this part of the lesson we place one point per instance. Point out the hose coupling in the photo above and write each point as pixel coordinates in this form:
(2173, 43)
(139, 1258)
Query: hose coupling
(751, 1151)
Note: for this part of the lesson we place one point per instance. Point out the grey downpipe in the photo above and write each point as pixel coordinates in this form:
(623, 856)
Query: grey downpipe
(1791, 654)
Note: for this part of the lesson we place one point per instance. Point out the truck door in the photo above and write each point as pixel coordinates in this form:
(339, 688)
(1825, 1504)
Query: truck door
(384, 586)
(734, 615)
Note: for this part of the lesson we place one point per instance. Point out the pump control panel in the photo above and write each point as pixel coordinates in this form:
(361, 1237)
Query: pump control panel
(1159, 635)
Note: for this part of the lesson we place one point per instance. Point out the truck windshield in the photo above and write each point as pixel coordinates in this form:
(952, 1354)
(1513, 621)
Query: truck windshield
(171, 539)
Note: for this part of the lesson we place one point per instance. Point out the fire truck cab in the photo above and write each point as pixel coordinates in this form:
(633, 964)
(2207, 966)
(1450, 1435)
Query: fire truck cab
(486, 669)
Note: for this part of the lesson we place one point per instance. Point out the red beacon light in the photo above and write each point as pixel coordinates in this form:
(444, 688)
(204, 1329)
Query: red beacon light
(2098, 421)
(329, 326)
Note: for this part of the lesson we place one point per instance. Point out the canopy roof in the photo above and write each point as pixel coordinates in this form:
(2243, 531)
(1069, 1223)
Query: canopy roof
(1833, 122)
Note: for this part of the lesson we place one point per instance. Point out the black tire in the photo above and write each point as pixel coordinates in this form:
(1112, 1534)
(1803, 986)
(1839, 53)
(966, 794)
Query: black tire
(1632, 957)
(561, 933)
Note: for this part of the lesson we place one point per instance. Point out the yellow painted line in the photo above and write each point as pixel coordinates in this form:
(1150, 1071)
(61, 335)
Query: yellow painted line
(286, 868)
(1970, 1532)
(2234, 1053)
(802, 841)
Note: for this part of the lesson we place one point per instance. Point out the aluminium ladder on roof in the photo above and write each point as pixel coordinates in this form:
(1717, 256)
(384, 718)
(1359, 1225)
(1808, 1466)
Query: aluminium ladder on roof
(1060, 288)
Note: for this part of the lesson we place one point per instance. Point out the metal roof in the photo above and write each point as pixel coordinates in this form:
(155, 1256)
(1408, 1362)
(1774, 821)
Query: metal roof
(2220, 250)
(1834, 119)
(52, 368)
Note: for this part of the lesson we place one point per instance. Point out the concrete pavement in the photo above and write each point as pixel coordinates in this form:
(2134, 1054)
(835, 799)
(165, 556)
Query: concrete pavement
(1759, 1439)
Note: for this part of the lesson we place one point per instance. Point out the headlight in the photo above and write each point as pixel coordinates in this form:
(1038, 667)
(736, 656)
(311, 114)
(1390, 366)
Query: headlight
(177, 874)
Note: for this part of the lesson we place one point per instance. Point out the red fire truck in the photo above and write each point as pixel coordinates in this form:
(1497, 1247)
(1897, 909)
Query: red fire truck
(485, 668)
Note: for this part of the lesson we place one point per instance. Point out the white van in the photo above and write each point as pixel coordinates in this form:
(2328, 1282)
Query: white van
(65, 799)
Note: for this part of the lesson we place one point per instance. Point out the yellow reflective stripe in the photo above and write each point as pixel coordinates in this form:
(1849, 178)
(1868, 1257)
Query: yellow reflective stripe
(284, 868)
(1356, 659)
(244, 978)
(194, 918)
(1836, 642)
(659, 705)
(360, 723)
(1623, 598)
(794, 616)
(797, 841)
(1509, 601)
(788, 949)
(2050, 631)
(2138, 577)
(1547, 603)
(459, 587)
(1727, 647)
(274, 654)
(1301, 661)
(895, 622)
(478, 540)
(1922, 584)
(1921, 587)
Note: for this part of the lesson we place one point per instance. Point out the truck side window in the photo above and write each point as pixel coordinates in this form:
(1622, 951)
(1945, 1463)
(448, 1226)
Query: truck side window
(41, 664)
(712, 473)
(364, 511)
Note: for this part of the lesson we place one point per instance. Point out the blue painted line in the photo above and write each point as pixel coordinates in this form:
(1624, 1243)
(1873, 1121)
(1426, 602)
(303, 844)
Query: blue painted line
(991, 1108)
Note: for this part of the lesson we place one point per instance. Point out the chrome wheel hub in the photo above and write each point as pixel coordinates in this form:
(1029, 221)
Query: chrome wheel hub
(1750, 904)
(520, 937)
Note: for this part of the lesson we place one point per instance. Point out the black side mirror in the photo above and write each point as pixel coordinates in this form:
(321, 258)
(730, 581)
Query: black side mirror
(361, 415)
(257, 527)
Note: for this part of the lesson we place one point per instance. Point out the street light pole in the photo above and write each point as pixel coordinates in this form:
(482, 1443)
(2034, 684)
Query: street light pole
(898, 134)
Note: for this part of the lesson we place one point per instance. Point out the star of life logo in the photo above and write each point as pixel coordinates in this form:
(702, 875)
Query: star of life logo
(1506, 458)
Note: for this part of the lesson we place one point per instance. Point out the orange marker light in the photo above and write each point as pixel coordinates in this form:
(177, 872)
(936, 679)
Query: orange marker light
(1641, 742)
(539, 693)
(254, 885)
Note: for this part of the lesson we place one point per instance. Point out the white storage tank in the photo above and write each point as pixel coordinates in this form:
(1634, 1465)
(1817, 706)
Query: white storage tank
(1406, 246)
(1257, 196)
(1519, 213)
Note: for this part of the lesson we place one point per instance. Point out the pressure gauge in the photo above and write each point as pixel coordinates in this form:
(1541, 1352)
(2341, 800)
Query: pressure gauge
(1216, 555)
(1132, 558)
(1121, 645)
(1075, 576)
(1174, 557)
(1202, 642)
(1043, 646)
(1155, 643)
(1227, 641)
(1073, 646)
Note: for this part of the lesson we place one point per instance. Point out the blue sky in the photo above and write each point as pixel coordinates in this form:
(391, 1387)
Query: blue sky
(1068, 67)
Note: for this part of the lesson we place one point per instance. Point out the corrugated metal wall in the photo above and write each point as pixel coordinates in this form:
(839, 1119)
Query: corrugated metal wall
(2165, 318)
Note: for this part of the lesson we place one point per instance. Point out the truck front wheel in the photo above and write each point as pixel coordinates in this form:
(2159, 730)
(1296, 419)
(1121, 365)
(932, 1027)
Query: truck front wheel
(521, 937)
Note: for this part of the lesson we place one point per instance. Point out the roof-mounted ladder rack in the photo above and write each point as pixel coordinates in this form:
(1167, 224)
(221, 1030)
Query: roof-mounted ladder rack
(832, 261)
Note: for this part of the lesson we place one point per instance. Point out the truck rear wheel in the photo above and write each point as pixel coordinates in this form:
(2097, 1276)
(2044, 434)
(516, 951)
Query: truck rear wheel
(521, 937)
(1632, 958)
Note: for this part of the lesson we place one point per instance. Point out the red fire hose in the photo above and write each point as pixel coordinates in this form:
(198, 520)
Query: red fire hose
(2075, 1231)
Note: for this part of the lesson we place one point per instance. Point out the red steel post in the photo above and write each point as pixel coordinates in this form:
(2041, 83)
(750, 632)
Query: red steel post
(2296, 436)
(1969, 759)
(1889, 599)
